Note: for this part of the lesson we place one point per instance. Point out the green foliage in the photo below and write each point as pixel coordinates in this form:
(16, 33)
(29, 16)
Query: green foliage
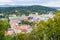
(57, 13)
(27, 22)
(3, 27)
(8, 37)
(57, 20)
(50, 28)
(26, 10)
(22, 36)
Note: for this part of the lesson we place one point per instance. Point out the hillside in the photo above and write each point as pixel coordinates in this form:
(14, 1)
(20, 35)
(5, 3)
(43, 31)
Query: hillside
(26, 9)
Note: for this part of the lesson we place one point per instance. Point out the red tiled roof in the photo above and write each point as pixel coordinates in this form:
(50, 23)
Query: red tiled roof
(21, 27)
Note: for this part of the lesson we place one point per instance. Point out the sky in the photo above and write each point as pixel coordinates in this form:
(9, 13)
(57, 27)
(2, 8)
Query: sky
(50, 3)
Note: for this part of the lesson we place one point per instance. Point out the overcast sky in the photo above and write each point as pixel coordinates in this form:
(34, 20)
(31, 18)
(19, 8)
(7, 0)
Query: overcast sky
(54, 3)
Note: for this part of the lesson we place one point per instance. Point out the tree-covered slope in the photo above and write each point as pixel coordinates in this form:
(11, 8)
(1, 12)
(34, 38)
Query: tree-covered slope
(26, 9)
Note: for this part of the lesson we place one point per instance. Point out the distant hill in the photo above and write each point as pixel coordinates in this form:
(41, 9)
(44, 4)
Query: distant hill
(57, 8)
(26, 9)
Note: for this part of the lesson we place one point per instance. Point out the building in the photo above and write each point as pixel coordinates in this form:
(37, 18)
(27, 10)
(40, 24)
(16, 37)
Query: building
(16, 28)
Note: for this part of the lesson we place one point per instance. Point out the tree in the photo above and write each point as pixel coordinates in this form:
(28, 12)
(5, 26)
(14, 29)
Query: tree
(27, 22)
(53, 28)
(40, 30)
(3, 26)
(46, 30)
(8, 37)
(2, 29)
(57, 20)
(23, 36)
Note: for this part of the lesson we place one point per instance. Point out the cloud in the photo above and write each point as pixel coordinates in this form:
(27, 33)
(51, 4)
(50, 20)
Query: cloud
(52, 3)
(2, 2)
(5, 1)
(31, 2)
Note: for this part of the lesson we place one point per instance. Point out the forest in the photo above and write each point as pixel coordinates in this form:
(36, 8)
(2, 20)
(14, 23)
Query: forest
(26, 10)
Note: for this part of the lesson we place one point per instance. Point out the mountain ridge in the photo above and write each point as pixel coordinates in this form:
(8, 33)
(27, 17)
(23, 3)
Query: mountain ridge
(26, 9)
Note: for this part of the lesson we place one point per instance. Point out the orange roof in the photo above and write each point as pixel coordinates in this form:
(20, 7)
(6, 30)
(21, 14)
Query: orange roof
(21, 27)
(12, 22)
